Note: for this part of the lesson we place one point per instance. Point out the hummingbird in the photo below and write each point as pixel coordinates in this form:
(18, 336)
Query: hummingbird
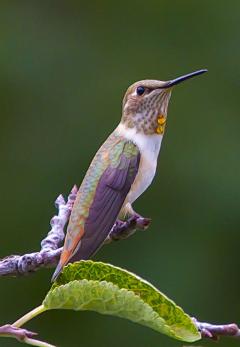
(121, 170)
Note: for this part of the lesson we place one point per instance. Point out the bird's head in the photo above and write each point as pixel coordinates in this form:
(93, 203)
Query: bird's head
(145, 104)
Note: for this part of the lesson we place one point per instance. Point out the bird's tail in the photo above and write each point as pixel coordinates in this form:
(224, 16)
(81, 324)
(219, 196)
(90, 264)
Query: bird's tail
(57, 272)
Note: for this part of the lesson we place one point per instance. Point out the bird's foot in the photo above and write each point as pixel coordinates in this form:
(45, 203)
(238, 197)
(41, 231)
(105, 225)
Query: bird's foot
(141, 223)
(122, 230)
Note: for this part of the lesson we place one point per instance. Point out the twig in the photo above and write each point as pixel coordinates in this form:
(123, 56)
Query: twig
(18, 333)
(16, 265)
(22, 335)
(212, 331)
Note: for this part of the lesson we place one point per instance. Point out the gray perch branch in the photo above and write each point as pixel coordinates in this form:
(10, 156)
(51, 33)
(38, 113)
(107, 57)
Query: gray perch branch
(48, 256)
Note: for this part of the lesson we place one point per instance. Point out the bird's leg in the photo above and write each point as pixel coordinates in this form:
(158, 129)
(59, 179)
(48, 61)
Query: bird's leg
(126, 226)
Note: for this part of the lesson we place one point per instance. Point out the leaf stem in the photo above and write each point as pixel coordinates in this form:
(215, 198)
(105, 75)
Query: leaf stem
(29, 316)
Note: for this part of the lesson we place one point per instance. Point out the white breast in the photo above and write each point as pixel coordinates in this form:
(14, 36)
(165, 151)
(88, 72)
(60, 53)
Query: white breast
(149, 146)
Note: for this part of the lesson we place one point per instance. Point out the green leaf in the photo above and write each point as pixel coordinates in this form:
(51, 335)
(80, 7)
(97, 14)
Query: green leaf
(111, 290)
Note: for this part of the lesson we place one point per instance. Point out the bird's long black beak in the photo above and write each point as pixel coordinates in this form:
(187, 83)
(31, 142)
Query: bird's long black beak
(182, 78)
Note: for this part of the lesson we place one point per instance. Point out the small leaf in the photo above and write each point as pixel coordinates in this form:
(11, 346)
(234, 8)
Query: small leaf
(111, 290)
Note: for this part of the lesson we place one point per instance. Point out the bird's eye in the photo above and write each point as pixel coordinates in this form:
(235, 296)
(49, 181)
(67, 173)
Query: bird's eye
(140, 91)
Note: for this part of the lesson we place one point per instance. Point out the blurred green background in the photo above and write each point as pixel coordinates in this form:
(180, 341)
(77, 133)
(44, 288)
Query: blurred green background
(64, 67)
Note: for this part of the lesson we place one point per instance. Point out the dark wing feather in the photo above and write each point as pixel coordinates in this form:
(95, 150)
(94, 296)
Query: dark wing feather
(112, 189)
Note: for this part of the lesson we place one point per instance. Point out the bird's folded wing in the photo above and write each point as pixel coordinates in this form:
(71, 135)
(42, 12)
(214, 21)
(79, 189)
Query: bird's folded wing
(111, 191)
(87, 231)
